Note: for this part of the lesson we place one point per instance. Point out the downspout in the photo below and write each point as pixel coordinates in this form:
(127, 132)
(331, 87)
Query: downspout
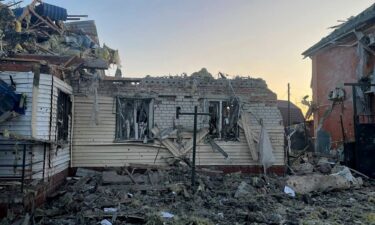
(71, 132)
(50, 130)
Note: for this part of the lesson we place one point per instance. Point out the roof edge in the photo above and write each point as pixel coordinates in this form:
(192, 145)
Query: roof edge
(345, 29)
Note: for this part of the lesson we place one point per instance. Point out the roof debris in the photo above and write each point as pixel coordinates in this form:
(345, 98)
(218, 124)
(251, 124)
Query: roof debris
(39, 31)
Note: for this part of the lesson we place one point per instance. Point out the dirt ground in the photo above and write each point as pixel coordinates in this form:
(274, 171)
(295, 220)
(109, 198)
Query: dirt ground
(165, 197)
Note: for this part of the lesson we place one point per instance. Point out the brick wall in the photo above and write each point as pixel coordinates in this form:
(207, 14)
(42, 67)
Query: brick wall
(187, 92)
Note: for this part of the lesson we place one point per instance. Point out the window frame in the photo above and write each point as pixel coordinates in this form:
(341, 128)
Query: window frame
(220, 131)
(150, 119)
(65, 115)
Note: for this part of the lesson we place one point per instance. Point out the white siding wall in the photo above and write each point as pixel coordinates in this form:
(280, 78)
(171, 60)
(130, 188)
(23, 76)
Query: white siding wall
(20, 125)
(57, 158)
(44, 107)
(93, 144)
(24, 84)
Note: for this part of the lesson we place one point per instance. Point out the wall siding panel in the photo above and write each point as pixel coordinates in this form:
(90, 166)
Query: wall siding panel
(57, 157)
(93, 144)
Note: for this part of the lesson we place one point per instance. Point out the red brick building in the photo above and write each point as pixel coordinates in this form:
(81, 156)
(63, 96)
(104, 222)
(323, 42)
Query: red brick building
(344, 56)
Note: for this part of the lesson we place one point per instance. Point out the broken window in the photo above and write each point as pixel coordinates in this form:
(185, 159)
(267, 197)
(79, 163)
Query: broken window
(64, 110)
(134, 119)
(223, 119)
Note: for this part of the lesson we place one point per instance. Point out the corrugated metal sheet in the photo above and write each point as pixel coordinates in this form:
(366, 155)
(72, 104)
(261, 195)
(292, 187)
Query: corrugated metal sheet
(53, 12)
(93, 144)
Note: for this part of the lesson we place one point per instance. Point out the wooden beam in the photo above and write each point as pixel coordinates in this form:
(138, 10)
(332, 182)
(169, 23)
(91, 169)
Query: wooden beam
(42, 62)
(130, 175)
(45, 49)
(217, 147)
(69, 61)
(200, 135)
(256, 139)
(245, 120)
(167, 143)
(52, 26)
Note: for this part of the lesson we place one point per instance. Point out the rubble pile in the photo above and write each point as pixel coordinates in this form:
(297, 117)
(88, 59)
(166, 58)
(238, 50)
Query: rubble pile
(157, 197)
(44, 29)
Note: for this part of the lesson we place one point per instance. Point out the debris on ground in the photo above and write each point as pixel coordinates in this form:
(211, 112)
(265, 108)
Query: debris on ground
(323, 183)
(164, 196)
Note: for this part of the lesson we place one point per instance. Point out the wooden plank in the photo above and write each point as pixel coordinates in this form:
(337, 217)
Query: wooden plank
(200, 135)
(245, 121)
(63, 86)
(167, 143)
(217, 147)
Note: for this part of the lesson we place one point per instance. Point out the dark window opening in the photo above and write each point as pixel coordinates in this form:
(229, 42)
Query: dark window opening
(64, 111)
(223, 119)
(133, 119)
(230, 119)
(214, 122)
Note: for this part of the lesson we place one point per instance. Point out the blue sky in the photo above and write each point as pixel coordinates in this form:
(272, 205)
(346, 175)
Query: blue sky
(258, 38)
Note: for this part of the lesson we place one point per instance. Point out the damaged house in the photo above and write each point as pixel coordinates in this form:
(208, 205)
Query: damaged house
(39, 55)
(80, 147)
(121, 121)
(59, 110)
(343, 75)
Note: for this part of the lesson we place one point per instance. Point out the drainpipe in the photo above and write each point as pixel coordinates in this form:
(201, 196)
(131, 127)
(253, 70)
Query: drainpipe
(71, 131)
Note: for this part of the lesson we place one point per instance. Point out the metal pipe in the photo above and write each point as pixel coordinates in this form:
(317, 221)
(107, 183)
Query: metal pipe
(288, 128)
(72, 117)
(44, 159)
(342, 130)
(78, 16)
(23, 167)
(288, 105)
(195, 114)
(194, 148)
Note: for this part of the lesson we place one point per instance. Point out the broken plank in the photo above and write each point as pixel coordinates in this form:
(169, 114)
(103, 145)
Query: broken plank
(217, 147)
(51, 25)
(149, 176)
(130, 175)
(245, 120)
(256, 139)
(166, 142)
(200, 135)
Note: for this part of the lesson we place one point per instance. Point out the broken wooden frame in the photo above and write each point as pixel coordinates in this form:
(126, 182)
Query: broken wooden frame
(133, 118)
(223, 122)
(64, 112)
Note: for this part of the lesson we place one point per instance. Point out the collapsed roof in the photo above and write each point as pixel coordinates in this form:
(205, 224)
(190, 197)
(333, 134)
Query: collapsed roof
(39, 34)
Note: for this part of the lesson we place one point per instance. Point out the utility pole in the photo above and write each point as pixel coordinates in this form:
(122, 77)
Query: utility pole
(288, 105)
(195, 114)
(288, 128)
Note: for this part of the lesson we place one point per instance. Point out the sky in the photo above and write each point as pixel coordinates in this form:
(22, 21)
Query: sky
(257, 38)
